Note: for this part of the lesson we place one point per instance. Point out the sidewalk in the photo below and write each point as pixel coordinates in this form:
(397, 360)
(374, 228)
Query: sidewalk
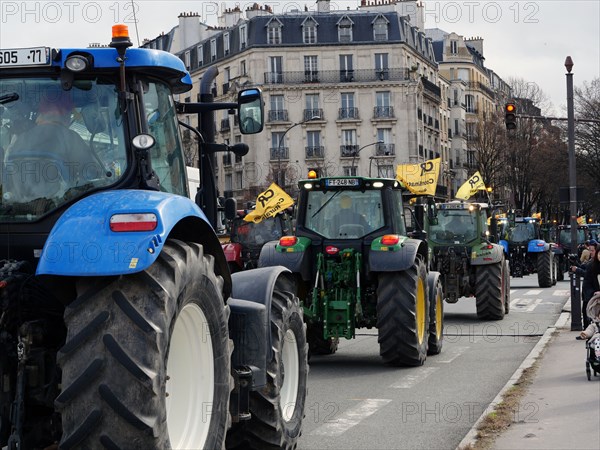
(561, 409)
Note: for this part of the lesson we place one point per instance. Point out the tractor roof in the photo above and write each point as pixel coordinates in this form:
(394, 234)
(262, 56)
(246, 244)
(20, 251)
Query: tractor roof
(349, 183)
(157, 63)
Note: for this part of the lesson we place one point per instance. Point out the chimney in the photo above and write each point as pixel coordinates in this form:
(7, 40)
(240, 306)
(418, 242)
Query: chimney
(476, 43)
(230, 17)
(189, 28)
(323, 6)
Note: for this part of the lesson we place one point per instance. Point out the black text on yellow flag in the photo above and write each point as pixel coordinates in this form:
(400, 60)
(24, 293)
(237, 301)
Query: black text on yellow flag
(421, 178)
(269, 203)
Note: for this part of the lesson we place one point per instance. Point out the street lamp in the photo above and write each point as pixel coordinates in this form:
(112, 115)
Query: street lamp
(281, 139)
(575, 291)
(358, 151)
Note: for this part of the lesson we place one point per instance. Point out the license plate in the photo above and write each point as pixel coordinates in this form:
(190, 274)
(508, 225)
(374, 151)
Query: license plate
(341, 182)
(19, 57)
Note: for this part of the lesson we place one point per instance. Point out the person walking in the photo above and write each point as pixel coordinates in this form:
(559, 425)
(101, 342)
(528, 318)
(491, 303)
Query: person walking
(590, 272)
(585, 253)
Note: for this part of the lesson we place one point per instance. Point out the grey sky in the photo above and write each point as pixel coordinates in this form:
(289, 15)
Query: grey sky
(524, 39)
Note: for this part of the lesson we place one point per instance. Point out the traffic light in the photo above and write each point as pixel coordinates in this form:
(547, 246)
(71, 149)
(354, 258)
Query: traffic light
(510, 116)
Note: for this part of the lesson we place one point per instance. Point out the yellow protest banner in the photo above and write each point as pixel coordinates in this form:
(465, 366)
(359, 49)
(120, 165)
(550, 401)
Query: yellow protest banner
(421, 178)
(269, 203)
(470, 187)
(581, 220)
(537, 215)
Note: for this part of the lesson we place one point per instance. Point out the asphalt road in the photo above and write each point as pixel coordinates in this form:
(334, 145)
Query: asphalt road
(355, 402)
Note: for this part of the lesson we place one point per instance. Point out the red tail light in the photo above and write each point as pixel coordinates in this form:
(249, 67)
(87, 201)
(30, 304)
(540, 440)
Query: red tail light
(288, 241)
(390, 239)
(133, 222)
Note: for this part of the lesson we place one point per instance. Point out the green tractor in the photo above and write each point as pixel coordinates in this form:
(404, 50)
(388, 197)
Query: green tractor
(469, 264)
(355, 267)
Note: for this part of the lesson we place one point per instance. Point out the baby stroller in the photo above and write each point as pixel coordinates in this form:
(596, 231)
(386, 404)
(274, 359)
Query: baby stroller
(592, 333)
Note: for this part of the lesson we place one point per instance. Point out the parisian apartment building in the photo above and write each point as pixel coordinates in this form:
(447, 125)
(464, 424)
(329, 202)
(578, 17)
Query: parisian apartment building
(346, 92)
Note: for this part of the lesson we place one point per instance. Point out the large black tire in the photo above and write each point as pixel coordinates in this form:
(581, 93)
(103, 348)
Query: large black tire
(436, 314)
(278, 408)
(127, 378)
(490, 291)
(544, 269)
(506, 287)
(554, 268)
(403, 316)
(317, 345)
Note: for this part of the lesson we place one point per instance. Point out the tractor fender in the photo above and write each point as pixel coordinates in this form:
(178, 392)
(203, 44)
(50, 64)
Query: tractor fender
(82, 243)
(296, 262)
(537, 246)
(504, 245)
(399, 260)
(482, 255)
(250, 319)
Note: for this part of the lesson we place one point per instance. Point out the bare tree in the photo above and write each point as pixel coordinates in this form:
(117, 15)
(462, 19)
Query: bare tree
(489, 143)
(587, 135)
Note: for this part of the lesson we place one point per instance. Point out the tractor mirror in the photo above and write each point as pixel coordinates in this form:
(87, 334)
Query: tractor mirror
(230, 208)
(250, 111)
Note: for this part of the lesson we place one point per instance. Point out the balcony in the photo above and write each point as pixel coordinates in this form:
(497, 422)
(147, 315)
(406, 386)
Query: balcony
(431, 90)
(279, 153)
(315, 152)
(273, 78)
(310, 113)
(311, 76)
(348, 150)
(347, 113)
(383, 112)
(479, 86)
(278, 115)
(385, 149)
(336, 76)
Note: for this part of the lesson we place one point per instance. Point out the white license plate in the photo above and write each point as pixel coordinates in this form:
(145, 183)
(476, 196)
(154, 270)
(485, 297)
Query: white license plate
(19, 57)
(342, 182)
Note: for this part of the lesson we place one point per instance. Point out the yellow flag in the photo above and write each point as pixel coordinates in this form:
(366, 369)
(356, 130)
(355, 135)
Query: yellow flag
(581, 220)
(537, 215)
(269, 203)
(471, 186)
(421, 178)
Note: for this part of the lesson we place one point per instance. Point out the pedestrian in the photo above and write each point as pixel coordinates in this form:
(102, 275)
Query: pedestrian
(585, 253)
(590, 272)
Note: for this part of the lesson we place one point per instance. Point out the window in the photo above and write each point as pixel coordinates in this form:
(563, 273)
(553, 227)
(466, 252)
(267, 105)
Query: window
(309, 31)
(385, 171)
(381, 66)
(228, 182)
(453, 47)
(312, 106)
(313, 144)
(311, 73)
(346, 68)
(348, 109)
(243, 36)
(349, 146)
(274, 33)
(213, 49)
(277, 111)
(200, 55)
(350, 171)
(275, 69)
(470, 103)
(345, 30)
(226, 43)
(239, 179)
(243, 70)
(186, 59)
(383, 102)
(278, 149)
(380, 29)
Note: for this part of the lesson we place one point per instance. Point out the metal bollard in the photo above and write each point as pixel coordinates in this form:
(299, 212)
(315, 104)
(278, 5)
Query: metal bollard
(575, 281)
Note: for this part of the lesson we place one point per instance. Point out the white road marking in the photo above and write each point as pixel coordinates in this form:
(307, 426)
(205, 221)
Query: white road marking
(447, 356)
(562, 293)
(512, 291)
(520, 302)
(535, 303)
(534, 292)
(351, 417)
(409, 381)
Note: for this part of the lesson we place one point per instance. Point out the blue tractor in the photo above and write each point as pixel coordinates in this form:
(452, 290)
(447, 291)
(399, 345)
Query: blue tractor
(120, 323)
(526, 252)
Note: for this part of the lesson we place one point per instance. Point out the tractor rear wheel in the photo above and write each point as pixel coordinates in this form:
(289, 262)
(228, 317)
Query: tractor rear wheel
(506, 287)
(278, 408)
(403, 316)
(143, 351)
(544, 269)
(490, 291)
(317, 345)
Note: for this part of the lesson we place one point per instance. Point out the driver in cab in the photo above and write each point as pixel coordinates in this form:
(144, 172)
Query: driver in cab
(347, 223)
